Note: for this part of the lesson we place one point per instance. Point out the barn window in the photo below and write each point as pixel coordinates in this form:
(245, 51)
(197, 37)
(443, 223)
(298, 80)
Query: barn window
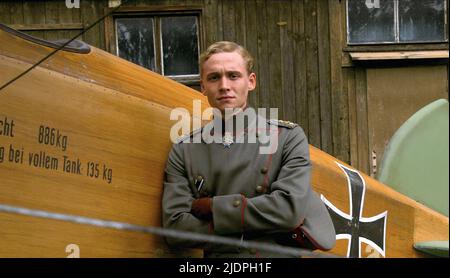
(135, 41)
(167, 44)
(396, 21)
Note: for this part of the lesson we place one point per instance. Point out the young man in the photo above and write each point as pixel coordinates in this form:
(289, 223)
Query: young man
(233, 189)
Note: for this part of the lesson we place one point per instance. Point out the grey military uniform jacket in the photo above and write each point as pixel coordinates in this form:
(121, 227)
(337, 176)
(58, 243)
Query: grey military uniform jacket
(255, 196)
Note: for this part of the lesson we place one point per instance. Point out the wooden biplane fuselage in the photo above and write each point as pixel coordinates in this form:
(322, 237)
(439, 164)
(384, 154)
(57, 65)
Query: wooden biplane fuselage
(88, 134)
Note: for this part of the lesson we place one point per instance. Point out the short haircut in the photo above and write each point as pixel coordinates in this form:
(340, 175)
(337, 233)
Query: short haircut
(227, 46)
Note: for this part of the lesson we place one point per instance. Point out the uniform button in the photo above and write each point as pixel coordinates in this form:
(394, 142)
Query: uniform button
(259, 189)
(264, 170)
(236, 203)
(294, 235)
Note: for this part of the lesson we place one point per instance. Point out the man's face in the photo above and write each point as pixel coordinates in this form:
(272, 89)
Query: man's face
(225, 81)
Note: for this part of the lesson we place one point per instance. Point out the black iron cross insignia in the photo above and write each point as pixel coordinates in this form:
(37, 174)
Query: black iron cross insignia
(353, 226)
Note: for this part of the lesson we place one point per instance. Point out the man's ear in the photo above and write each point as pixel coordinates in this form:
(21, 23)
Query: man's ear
(252, 81)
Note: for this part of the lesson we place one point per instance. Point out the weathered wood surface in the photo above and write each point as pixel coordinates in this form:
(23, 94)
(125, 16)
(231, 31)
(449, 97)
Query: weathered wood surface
(116, 115)
(395, 55)
(293, 42)
(296, 45)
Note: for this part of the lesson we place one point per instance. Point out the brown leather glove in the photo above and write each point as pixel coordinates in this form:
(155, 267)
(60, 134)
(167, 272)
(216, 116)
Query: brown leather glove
(202, 208)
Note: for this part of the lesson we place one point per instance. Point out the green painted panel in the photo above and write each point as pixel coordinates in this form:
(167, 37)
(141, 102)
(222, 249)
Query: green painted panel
(434, 248)
(416, 160)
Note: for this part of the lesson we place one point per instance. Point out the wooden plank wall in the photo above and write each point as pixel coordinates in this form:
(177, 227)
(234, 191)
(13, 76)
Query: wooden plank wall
(295, 43)
(298, 71)
(52, 20)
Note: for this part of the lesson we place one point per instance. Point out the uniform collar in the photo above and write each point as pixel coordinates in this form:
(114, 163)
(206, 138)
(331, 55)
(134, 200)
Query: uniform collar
(239, 125)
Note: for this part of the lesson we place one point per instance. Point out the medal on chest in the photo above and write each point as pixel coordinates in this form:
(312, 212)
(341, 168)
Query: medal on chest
(227, 139)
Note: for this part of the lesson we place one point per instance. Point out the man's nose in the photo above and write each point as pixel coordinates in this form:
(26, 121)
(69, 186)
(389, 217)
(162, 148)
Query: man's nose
(224, 84)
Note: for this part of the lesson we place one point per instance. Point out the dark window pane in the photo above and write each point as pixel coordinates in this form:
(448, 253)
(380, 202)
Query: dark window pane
(135, 41)
(180, 45)
(371, 21)
(422, 20)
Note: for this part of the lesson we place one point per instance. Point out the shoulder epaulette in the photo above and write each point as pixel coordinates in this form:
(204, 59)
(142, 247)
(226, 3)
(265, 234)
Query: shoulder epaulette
(182, 138)
(282, 123)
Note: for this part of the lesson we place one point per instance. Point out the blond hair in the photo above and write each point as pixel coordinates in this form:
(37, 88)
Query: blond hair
(227, 46)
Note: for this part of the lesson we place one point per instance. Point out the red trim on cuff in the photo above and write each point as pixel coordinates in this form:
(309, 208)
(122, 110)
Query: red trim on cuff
(211, 227)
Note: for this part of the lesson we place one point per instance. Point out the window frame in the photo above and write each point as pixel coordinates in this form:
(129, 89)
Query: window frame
(157, 12)
(397, 45)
